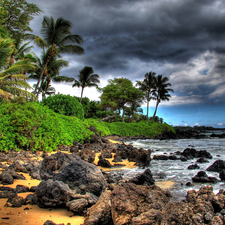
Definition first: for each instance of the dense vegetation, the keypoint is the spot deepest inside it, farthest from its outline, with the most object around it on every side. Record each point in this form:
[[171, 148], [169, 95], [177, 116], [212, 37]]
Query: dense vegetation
[[65, 104], [33, 126]]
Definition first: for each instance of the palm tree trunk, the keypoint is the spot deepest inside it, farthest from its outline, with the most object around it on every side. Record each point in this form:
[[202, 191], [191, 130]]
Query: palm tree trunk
[[147, 110], [50, 55], [40, 78], [123, 113], [157, 103], [81, 94]]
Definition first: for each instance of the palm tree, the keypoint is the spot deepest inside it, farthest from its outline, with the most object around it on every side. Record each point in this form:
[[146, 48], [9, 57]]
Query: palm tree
[[51, 72], [161, 92], [12, 78], [58, 38], [86, 78], [147, 86]]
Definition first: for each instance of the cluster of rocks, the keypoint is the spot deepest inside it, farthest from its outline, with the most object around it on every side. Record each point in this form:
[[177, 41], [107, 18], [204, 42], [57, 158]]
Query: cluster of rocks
[[129, 203], [71, 180], [188, 153]]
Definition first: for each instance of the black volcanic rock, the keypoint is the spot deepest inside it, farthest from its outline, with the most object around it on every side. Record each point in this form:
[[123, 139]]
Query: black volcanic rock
[[217, 166]]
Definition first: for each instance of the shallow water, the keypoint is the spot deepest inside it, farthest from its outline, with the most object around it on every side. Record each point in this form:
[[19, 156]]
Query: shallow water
[[176, 170]]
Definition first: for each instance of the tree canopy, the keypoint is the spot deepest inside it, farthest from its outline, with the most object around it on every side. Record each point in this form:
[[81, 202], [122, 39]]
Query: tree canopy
[[118, 93]]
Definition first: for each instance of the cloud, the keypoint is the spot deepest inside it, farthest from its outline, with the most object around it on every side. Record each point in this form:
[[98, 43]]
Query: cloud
[[183, 40]]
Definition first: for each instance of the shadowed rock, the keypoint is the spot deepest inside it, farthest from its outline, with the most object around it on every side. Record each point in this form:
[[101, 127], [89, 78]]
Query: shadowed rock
[[217, 166], [143, 179], [80, 176], [130, 200]]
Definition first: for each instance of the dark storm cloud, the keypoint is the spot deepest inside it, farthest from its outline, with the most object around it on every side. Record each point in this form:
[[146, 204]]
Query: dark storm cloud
[[130, 38]]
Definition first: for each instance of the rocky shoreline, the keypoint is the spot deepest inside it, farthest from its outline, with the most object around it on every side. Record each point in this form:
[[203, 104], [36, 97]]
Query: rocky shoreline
[[71, 178]]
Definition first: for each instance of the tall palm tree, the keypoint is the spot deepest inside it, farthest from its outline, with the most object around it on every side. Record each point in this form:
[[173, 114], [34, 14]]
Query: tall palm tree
[[161, 91], [147, 86], [58, 38], [86, 78]]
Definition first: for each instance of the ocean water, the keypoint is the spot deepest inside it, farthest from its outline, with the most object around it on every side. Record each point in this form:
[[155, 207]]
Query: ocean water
[[176, 170]]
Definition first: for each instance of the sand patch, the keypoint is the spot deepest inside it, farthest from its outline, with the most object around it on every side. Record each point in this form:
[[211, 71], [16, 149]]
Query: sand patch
[[32, 214], [128, 165], [165, 184]]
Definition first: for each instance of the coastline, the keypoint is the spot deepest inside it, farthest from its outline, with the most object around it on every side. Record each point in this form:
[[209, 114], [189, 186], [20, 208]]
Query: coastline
[[32, 214]]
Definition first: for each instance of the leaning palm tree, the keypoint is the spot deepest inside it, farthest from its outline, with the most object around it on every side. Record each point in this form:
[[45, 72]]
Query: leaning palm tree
[[161, 91], [58, 38], [147, 86], [86, 78]]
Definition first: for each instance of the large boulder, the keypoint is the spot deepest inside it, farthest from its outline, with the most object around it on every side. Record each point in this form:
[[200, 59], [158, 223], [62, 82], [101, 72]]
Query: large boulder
[[130, 200], [80, 176]]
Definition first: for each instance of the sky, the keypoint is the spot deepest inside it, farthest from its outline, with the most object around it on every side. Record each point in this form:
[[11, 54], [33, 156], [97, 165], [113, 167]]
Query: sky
[[182, 40]]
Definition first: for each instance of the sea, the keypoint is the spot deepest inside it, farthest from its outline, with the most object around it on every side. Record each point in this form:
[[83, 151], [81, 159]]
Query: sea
[[176, 170]]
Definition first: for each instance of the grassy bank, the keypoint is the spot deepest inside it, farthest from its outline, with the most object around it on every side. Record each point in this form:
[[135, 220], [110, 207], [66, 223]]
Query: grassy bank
[[32, 126]]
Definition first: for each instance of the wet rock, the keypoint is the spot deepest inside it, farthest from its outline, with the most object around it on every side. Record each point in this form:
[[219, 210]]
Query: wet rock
[[217, 166], [100, 213], [202, 177], [183, 158], [143, 179], [189, 153], [129, 200], [202, 160], [204, 154], [193, 167], [160, 157], [222, 175], [189, 184], [80, 176], [21, 189]]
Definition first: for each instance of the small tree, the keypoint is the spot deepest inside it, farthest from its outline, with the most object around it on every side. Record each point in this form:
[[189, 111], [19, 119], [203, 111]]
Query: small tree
[[118, 93]]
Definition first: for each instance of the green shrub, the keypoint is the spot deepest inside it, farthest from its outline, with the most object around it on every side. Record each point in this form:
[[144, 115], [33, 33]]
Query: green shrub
[[32, 126], [128, 129], [66, 105]]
